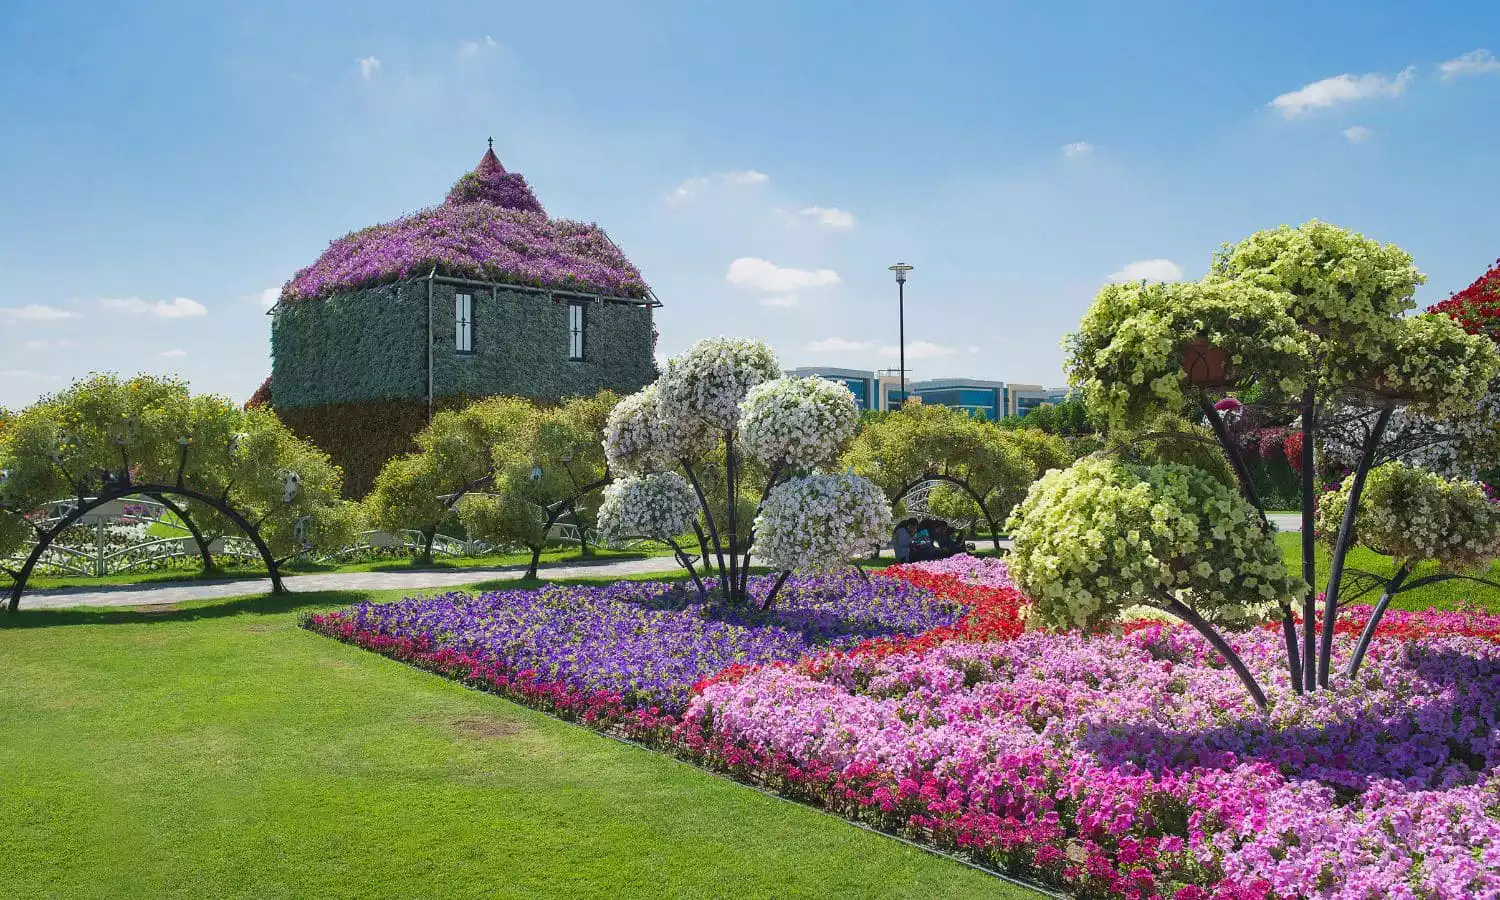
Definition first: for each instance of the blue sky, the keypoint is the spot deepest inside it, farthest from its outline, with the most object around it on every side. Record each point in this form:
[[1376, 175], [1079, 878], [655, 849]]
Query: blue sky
[[163, 167]]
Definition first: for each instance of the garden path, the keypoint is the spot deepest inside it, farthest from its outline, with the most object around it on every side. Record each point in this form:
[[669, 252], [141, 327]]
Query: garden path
[[182, 592]]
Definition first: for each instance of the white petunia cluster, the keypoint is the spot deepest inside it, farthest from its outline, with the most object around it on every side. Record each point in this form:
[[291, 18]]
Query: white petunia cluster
[[819, 522], [1458, 446], [639, 439], [801, 423], [707, 383], [661, 506]]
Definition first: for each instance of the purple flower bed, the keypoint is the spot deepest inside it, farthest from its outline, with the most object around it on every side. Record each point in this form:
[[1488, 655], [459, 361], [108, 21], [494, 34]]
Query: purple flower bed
[[651, 642]]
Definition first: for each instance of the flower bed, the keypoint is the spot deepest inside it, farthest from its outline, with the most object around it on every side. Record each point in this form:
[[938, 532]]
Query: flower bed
[[1117, 765], [1135, 765], [647, 643]]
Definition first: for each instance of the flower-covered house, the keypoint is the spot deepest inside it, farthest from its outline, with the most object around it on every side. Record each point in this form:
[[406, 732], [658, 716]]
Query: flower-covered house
[[483, 294]]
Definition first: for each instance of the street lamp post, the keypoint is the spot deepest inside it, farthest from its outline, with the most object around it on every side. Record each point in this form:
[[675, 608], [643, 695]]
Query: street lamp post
[[901, 269]]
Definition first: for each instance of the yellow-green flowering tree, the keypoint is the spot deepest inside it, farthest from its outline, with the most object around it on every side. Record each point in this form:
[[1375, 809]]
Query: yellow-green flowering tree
[[1101, 536], [1302, 318], [1414, 516], [106, 439]]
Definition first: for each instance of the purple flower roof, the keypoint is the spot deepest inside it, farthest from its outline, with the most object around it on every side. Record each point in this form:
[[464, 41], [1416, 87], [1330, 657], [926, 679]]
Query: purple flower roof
[[491, 228]]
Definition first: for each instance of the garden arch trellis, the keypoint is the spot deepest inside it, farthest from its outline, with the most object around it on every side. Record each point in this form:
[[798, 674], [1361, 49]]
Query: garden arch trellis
[[85, 505], [961, 484]]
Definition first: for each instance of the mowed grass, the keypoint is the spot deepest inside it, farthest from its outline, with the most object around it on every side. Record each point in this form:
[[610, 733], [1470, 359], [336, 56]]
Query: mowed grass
[[221, 751], [1443, 595]]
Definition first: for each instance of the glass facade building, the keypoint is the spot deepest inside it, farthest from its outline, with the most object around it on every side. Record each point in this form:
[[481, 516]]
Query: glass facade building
[[990, 400]]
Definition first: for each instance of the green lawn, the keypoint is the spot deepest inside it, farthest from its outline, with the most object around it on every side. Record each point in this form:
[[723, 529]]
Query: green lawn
[[1446, 595], [221, 751]]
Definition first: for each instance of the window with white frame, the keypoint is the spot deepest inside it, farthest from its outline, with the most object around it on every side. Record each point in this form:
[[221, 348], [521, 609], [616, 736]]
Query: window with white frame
[[575, 331], [463, 323]]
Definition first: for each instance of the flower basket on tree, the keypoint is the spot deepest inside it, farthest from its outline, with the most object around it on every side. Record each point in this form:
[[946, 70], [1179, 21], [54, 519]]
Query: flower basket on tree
[[1305, 316], [725, 398]]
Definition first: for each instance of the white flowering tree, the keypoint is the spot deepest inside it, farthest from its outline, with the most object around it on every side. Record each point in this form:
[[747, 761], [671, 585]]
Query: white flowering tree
[[1302, 319], [725, 398]]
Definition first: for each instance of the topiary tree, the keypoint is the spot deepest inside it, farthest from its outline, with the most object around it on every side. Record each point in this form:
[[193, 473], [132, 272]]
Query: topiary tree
[[725, 398], [661, 506], [1414, 516], [456, 455], [1300, 317], [981, 471], [106, 439], [1101, 536], [542, 472]]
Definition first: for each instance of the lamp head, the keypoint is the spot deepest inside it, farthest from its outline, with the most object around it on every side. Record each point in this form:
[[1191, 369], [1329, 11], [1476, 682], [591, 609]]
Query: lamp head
[[901, 269]]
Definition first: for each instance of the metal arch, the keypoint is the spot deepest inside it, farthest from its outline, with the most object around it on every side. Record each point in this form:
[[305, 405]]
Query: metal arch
[[962, 485], [86, 505]]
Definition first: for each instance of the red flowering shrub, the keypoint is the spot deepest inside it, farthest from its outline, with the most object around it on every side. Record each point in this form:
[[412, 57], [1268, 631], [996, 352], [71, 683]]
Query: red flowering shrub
[[1292, 447], [261, 397], [1477, 307]]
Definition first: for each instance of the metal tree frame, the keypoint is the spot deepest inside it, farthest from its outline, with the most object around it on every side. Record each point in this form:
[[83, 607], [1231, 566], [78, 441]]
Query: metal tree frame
[[1310, 665], [963, 485], [734, 570], [117, 485], [45, 537]]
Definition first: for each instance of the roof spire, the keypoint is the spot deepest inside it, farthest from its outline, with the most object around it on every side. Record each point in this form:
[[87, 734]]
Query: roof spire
[[489, 164]]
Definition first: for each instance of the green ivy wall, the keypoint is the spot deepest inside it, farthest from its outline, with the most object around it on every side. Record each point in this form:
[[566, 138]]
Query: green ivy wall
[[350, 372]]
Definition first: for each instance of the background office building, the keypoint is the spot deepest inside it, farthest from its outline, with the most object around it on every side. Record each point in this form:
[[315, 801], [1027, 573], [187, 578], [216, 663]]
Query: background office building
[[990, 400]]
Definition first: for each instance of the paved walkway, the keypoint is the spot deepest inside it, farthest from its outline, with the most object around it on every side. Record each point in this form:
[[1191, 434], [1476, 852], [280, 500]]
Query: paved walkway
[[1286, 521], [159, 594], [183, 592]]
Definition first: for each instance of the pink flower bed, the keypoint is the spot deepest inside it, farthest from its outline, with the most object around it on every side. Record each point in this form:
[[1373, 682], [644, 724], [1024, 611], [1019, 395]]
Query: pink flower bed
[[1136, 766]]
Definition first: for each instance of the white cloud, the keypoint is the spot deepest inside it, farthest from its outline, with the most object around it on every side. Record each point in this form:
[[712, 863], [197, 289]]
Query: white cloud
[[691, 186], [1475, 62], [780, 300], [919, 350], [973, 348], [268, 297], [28, 375], [1357, 133], [1149, 270], [36, 312], [1078, 148], [177, 308], [839, 345], [51, 345], [369, 67], [173, 354], [1344, 88], [762, 275], [828, 216], [468, 48]]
